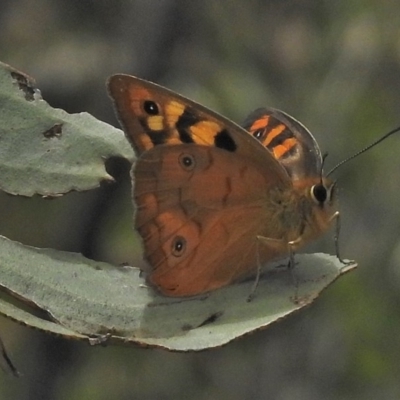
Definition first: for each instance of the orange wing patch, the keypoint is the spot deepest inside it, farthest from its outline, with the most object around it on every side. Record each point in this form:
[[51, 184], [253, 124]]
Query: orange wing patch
[[274, 135], [152, 117], [280, 150]]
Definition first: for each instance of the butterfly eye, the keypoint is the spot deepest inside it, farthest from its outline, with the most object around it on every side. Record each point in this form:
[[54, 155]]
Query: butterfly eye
[[151, 107], [178, 246], [187, 162], [319, 193]]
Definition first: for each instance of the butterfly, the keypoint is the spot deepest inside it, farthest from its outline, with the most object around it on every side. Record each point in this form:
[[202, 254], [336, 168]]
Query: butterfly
[[214, 200]]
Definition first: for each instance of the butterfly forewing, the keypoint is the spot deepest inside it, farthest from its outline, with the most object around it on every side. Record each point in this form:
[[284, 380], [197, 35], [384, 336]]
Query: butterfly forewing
[[153, 115]]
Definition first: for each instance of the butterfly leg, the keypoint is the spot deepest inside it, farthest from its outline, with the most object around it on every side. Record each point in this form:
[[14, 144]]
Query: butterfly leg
[[291, 245], [336, 216], [252, 293], [262, 240], [279, 244]]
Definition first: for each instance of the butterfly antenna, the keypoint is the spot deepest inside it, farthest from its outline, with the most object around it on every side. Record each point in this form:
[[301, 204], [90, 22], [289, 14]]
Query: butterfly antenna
[[373, 144], [322, 166]]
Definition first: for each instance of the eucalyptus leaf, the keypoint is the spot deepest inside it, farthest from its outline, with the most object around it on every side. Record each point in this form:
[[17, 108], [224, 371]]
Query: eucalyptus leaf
[[47, 151], [85, 299]]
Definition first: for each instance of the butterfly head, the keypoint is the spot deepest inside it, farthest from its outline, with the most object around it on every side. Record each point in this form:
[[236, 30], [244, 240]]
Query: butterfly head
[[323, 192], [314, 205]]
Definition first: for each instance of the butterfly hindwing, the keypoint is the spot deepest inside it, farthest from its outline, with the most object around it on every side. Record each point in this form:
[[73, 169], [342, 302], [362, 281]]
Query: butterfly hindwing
[[199, 211], [291, 143]]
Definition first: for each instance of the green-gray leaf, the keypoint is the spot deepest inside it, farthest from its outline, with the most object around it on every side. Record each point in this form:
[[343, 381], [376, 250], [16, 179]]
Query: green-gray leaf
[[47, 151], [89, 299]]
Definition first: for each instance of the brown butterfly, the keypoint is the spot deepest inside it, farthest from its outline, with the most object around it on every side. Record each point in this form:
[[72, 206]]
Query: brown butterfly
[[215, 201]]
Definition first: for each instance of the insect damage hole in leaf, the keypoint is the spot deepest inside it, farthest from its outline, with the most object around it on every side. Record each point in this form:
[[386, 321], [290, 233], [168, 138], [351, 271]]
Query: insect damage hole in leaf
[[26, 84], [54, 132], [31, 163]]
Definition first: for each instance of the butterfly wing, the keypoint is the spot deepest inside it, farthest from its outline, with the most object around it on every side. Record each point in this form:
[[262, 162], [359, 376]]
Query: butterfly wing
[[291, 143], [200, 185], [152, 115], [199, 211]]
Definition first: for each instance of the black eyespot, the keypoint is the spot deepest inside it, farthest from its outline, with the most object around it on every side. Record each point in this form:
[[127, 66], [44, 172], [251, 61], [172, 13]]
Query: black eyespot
[[187, 161], [151, 107], [319, 193], [178, 246], [258, 134]]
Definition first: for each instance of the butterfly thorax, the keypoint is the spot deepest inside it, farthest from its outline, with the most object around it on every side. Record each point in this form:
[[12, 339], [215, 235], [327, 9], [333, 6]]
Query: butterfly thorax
[[301, 213]]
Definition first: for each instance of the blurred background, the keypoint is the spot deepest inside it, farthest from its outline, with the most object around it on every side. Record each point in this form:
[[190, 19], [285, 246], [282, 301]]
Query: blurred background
[[333, 65]]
